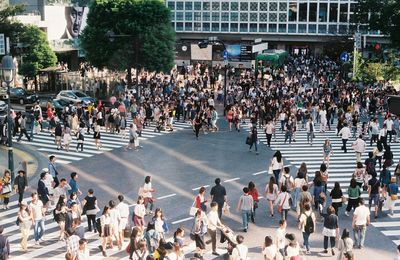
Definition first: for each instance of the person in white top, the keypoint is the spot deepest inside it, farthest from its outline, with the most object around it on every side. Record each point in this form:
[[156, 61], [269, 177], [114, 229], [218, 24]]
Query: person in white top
[[323, 120], [359, 147], [283, 202], [114, 222], [213, 222], [147, 195], [345, 133], [240, 251], [269, 249], [280, 237], [83, 251], [38, 217], [389, 126], [269, 130], [361, 219], [271, 193], [123, 209]]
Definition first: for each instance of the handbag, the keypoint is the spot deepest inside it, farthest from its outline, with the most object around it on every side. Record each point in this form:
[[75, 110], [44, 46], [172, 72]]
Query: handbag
[[393, 197], [248, 140], [270, 169], [193, 210], [280, 207], [6, 189]]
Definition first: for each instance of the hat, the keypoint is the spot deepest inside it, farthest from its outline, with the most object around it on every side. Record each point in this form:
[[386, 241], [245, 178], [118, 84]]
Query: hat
[[46, 170]]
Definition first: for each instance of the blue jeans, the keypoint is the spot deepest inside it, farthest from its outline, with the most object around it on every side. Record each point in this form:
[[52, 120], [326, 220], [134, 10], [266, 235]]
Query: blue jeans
[[359, 235], [296, 197], [306, 243], [38, 229], [276, 174], [255, 146], [245, 218]]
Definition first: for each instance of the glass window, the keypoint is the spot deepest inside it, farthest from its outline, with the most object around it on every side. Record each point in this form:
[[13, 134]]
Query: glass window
[[234, 27], [188, 6], [283, 7], [197, 27], [292, 28], [263, 6], [215, 16], [244, 27], [197, 16], [225, 16], [282, 28], [302, 28], [262, 27], [254, 6], [234, 16], [254, 17], [171, 5], [253, 27], [206, 6], [206, 16], [244, 17], [272, 17], [179, 26], [273, 6], [303, 12], [333, 12], [188, 16], [206, 27], [282, 17], [272, 27], [353, 7], [224, 27], [215, 27], [179, 6], [343, 13], [352, 18], [188, 26], [197, 5], [322, 29], [323, 12], [244, 6], [179, 16], [173, 25], [293, 12], [312, 28], [172, 15], [234, 6], [312, 17], [332, 29], [263, 17], [215, 6], [225, 6], [343, 29]]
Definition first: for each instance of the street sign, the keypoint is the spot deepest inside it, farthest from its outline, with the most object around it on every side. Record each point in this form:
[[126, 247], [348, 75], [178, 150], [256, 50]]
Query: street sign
[[225, 55], [260, 47], [358, 41], [344, 57], [2, 45], [258, 40]]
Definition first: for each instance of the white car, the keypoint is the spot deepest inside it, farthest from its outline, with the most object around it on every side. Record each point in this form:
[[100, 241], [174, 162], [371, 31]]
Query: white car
[[75, 96]]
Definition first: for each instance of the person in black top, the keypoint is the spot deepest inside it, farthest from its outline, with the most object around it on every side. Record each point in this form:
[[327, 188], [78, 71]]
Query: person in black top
[[218, 195], [20, 185], [42, 190], [373, 191], [336, 195], [89, 208]]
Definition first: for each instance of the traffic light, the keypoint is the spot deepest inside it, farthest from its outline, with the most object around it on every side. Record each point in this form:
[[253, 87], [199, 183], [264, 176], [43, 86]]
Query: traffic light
[[203, 44], [394, 105]]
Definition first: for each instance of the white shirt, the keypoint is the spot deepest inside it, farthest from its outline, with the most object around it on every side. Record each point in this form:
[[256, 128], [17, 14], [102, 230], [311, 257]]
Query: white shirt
[[276, 165], [37, 210], [280, 237], [212, 220], [359, 145], [361, 214], [240, 252], [389, 124], [322, 115], [147, 186], [123, 209], [114, 216], [270, 252], [345, 132]]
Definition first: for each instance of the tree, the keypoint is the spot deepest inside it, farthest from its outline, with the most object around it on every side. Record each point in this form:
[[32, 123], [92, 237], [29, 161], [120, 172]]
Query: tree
[[9, 27], [38, 54], [384, 15], [148, 40]]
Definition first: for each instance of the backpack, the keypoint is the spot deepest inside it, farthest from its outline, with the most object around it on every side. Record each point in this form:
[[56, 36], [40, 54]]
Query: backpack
[[309, 227], [288, 183]]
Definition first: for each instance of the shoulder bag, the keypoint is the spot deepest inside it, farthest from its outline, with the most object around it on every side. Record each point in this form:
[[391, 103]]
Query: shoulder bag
[[280, 207]]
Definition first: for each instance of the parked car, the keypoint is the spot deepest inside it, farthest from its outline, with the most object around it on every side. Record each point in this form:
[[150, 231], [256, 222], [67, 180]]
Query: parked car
[[3, 107], [21, 96], [75, 96]]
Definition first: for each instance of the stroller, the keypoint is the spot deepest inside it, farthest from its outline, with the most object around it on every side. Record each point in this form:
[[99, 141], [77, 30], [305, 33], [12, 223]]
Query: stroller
[[229, 236]]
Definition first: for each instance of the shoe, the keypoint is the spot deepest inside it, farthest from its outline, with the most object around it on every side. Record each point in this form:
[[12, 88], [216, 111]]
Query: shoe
[[215, 253], [245, 230], [333, 252], [308, 252], [104, 253], [325, 251]]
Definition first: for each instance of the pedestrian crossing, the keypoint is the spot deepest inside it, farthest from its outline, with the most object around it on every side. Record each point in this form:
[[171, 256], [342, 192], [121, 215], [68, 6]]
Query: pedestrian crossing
[[44, 142]]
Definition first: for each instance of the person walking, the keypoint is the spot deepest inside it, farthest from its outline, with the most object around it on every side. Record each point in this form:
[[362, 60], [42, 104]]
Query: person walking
[[6, 188], [245, 206], [52, 169], [20, 185], [201, 200], [283, 202], [67, 139], [345, 134], [198, 124], [310, 131], [97, 136], [240, 251], [199, 229], [359, 147], [269, 249], [213, 223], [330, 230], [80, 139], [253, 139], [147, 193], [105, 221], [25, 222], [132, 137], [89, 205], [327, 151], [269, 130], [218, 195], [393, 189], [336, 197], [22, 127], [307, 225], [271, 194], [37, 214], [254, 194], [345, 246], [354, 193], [123, 209], [373, 193], [139, 213], [43, 191], [277, 164], [361, 219], [4, 245]]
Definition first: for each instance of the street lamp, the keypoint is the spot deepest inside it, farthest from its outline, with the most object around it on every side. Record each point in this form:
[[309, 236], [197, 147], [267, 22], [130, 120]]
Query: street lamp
[[8, 73]]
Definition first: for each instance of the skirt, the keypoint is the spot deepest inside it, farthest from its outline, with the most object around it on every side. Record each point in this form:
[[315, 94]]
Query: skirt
[[106, 231]]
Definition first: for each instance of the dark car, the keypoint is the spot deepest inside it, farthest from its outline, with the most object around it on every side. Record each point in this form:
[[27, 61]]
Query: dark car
[[58, 105], [21, 96]]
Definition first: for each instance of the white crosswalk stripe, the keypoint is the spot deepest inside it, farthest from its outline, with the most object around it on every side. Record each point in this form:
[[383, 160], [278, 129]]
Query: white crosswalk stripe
[[44, 143], [341, 166]]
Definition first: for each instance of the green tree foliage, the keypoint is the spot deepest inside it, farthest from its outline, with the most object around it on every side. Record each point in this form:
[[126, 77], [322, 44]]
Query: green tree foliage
[[149, 37], [384, 16], [38, 54], [9, 27]]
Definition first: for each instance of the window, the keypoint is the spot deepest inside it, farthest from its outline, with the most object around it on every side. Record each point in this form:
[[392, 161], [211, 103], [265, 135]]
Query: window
[[272, 27], [342, 29], [272, 17], [225, 6], [302, 28], [282, 28], [244, 17], [303, 12], [188, 26], [171, 5], [322, 29], [179, 16], [292, 28], [244, 27], [173, 25], [332, 29], [206, 27], [312, 17], [273, 6], [263, 6], [197, 16], [215, 27], [179, 6], [293, 12], [188, 16], [179, 26], [206, 16], [254, 17], [282, 17], [283, 7], [323, 12], [225, 16], [173, 15], [234, 27], [262, 27], [312, 28], [253, 27], [215, 16], [224, 27], [197, 27], [206, 6], [234, 6], [343, 13], [333, 12], [244, 6], [263, 17], [197, 5], [215, 6], [254, 6], [188, 6], [234, 16]]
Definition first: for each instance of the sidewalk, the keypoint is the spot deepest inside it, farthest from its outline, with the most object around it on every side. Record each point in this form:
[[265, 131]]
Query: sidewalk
[[19, 157]]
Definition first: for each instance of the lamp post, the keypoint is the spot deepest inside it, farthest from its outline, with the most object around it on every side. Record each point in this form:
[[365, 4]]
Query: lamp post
[[8, 73]]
